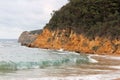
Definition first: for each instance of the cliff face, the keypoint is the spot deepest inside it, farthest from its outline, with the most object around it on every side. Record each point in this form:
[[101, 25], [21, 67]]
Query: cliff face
[[68, 40]]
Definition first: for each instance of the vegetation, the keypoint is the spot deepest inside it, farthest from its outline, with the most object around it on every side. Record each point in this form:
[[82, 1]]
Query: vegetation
[[36, 32], [89, 17]]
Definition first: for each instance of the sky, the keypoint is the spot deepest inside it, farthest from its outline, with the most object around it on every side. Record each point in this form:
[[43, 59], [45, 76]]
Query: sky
[[17, 16]]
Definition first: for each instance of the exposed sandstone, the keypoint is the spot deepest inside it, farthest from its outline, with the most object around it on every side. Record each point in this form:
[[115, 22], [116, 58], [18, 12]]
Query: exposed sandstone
[[68, 40]]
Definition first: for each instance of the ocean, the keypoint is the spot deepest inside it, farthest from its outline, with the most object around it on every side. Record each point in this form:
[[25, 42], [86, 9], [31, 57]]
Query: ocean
[[22, 63]]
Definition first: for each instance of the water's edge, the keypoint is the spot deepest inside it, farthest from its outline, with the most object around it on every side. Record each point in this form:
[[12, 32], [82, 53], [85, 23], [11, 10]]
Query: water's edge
[[19, 63]]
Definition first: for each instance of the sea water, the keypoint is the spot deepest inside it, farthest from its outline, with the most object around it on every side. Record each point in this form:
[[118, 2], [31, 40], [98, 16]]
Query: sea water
[[22, 63]]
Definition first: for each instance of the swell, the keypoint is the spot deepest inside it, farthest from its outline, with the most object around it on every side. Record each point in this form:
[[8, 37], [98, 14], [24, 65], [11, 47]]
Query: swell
[[68, 60]]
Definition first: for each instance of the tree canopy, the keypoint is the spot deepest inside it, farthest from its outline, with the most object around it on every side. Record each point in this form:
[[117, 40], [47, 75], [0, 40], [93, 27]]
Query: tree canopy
[[89, 17]]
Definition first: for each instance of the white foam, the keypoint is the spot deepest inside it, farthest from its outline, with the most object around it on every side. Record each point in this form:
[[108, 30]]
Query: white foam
[[61, 49], [92, 60]]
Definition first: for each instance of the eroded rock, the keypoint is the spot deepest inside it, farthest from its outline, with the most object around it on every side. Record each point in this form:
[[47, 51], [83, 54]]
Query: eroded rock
[[26, 38]]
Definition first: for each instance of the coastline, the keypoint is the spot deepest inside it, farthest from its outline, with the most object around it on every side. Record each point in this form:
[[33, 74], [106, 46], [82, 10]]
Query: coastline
[[73, 42]]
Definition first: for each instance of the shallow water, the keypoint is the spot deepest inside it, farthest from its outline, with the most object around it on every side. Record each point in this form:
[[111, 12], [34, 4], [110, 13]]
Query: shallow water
[[22, 63]]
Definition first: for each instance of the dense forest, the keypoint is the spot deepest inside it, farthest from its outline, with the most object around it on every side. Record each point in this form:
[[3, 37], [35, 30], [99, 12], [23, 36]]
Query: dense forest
[[89, 17]]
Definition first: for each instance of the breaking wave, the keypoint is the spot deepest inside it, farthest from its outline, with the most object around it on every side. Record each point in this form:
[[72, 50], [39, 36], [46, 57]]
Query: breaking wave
[[52, 60]]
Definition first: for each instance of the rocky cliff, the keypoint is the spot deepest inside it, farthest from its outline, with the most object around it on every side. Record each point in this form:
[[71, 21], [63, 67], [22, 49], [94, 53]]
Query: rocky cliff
[[68, 40], [87, 26]]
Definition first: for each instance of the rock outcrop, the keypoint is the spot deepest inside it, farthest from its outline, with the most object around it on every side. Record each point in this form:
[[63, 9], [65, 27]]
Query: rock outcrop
[[26, 38]]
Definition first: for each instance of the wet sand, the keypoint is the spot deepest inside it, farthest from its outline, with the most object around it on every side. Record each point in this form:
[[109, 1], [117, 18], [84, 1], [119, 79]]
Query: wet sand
[[111, 63]]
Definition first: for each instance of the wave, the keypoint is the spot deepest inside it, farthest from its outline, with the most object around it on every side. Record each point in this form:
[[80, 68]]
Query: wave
[[15, 57], [70, 59]]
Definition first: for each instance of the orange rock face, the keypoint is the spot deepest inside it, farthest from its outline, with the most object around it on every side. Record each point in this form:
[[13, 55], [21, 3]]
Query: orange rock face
[[68, 40]]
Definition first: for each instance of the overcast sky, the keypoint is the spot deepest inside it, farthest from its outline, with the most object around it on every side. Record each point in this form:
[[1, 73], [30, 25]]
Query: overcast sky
[[21, 15]]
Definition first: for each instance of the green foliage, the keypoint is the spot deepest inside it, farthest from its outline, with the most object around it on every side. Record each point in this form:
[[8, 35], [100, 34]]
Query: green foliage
[[89, 17]]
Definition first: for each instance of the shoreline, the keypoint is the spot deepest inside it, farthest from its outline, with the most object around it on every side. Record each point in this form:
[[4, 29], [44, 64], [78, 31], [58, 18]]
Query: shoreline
[[72, 42]]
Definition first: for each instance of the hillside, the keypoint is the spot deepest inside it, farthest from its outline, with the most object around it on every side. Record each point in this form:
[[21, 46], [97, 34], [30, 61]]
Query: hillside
[[89, 17], [85, 26]]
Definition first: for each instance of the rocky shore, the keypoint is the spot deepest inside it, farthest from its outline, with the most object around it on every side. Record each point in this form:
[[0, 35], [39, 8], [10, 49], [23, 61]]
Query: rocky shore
[[68, 40]]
